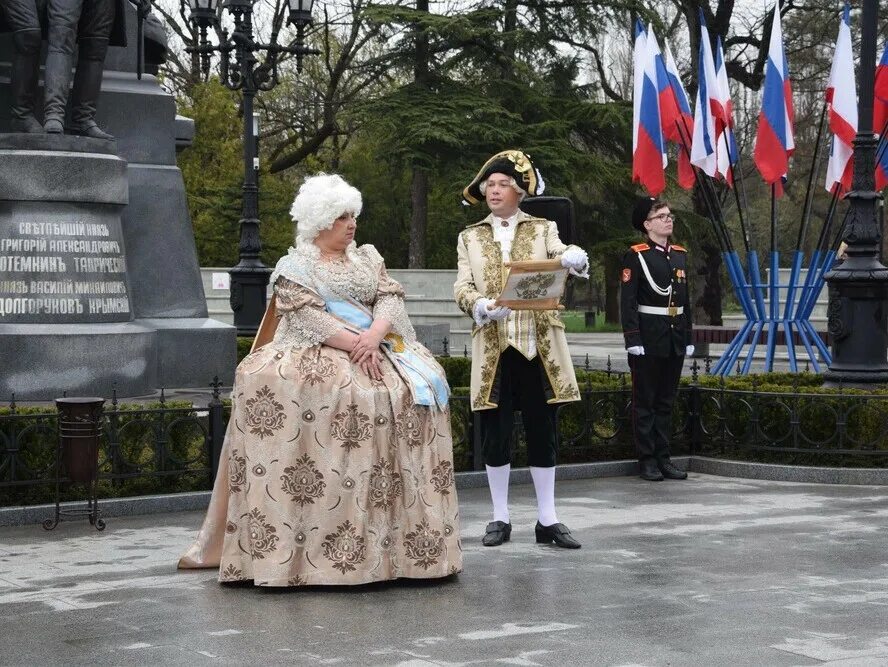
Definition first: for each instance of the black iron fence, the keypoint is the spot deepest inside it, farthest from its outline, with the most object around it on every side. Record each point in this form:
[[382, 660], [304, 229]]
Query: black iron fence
[[163, 447], [780, 424], [170, 446]]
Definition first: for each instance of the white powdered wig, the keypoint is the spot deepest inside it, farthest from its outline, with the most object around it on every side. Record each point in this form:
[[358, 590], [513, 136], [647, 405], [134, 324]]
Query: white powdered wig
[[321, 199], [482, 186]]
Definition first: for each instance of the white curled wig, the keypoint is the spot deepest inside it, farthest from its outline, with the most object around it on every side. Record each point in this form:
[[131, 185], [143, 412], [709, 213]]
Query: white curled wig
[[321, 199], [482, 186]]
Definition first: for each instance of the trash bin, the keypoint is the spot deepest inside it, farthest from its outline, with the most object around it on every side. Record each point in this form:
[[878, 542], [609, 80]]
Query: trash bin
[[80, 427]]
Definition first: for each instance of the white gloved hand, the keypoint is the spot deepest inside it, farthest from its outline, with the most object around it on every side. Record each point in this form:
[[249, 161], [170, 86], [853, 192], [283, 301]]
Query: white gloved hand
[[577, 261], [689, 351], [482, 314], [637, 350]]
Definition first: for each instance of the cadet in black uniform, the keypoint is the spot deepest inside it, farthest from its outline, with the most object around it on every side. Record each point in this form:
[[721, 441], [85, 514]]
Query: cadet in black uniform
[[656, 317]]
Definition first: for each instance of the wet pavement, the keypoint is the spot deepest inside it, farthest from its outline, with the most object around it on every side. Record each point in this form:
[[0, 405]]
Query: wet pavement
[[710, 571]]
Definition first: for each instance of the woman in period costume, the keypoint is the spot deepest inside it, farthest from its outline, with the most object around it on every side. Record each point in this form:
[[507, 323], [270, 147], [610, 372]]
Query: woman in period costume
[[337, 466]]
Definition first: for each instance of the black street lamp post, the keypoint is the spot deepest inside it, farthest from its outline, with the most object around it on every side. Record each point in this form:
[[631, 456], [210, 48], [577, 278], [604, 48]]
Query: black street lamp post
[[858, 287], [249, 279]]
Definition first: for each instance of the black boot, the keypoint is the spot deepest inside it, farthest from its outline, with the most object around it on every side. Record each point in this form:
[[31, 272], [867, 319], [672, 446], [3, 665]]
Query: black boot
[[87, 86], [649, 471], [670, 471], [25, 72], [56, 86]]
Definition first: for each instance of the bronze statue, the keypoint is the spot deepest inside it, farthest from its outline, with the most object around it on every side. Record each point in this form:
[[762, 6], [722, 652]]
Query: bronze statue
[[23, 19], [89, 25]]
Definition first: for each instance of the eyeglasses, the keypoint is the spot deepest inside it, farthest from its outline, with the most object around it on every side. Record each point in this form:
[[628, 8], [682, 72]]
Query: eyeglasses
[[663, 217]]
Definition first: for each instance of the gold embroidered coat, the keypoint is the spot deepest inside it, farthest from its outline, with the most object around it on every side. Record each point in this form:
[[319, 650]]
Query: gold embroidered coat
[[481, 274]]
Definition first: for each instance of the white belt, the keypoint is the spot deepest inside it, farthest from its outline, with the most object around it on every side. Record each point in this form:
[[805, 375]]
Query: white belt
[[670, 311]]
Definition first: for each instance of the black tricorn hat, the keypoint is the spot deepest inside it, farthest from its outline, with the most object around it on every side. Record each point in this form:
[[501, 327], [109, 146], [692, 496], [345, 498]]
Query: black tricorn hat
[[513, 163], [640, 213]]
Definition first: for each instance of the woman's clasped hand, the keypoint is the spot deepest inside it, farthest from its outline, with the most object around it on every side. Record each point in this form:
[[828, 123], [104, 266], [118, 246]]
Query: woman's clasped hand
[[367, 354]]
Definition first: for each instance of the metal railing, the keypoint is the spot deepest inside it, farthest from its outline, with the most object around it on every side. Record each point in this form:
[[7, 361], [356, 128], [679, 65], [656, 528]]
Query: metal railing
[[167, 447]]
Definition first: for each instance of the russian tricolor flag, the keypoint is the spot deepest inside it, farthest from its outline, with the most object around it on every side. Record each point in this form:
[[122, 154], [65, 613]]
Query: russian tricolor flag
[[703, 149], [841, 99], [675, 114], [880, 101], [648, 147], [724, 118], [774, 141], [880, 116]]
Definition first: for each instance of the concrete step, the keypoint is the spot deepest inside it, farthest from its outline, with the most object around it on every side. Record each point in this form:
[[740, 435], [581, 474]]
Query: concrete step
[[429, 300], [420, 304], [225, 316], [427, 283], [456, 322]]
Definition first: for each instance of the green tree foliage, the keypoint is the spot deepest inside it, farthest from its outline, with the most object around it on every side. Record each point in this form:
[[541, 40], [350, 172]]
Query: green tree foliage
[[495, 81], [213, 170]]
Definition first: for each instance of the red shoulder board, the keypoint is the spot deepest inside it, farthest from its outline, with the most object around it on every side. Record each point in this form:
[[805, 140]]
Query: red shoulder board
[[677, 247], [641, 247]]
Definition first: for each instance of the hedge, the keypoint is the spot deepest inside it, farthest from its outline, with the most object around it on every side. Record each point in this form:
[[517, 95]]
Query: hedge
[[135, 433], [728, 418]]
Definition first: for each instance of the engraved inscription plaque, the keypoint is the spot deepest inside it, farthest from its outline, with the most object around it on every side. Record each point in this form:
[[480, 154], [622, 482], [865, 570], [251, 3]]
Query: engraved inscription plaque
[[64, 265]]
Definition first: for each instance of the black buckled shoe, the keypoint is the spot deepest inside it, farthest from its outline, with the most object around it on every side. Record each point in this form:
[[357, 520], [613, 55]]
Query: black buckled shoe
[[670, 471], [557, 533], [496, 533], [649, 471]]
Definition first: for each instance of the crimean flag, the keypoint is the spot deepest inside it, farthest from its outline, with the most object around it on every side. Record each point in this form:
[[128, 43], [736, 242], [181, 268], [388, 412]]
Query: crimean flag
[[774, 142], [841, 100], [703, 149], [648, 147], [880, 117], [727, 143]]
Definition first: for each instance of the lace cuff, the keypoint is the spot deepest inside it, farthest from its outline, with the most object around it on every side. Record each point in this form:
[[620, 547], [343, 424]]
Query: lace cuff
[[303, 322], [391, 307], [390, 300]]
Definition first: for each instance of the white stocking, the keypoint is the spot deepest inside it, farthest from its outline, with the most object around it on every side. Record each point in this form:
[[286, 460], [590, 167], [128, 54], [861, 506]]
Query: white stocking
[[544, 485], [498, 480]]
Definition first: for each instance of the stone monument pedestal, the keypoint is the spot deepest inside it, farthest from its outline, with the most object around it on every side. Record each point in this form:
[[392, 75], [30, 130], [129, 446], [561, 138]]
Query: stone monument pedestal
[[116, 297], [67, 317]]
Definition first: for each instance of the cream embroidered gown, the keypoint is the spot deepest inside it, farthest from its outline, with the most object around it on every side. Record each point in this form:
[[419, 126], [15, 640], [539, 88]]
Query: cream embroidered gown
[[327, 476]]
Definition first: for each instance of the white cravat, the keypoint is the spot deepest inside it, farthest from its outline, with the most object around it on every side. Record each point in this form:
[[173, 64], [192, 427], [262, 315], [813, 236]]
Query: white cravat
[[504, 234]]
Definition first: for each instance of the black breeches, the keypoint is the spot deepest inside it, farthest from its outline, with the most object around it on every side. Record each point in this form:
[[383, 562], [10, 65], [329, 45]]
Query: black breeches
[[521, 388]]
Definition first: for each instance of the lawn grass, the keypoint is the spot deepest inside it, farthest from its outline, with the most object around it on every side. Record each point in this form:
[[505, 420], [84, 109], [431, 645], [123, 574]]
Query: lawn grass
[[574, 322]]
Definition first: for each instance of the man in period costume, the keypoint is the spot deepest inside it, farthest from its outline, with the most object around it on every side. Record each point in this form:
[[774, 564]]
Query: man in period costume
[[90, 26], [520, 359], [656, 317]]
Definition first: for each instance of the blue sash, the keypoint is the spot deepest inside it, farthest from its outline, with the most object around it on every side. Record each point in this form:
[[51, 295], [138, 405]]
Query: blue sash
[[429, 387]]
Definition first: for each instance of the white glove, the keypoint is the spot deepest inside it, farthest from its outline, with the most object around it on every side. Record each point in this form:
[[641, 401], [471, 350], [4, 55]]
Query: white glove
[[482, 315], [689, 351], [577, 261], [637, 350]]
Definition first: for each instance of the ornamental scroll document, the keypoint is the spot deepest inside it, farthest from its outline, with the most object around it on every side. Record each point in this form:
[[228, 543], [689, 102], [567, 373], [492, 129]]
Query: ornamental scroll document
[[535, 284]]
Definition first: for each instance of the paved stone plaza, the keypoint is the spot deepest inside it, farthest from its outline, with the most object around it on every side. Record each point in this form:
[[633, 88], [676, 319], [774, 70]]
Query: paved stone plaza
[[712, 571]]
